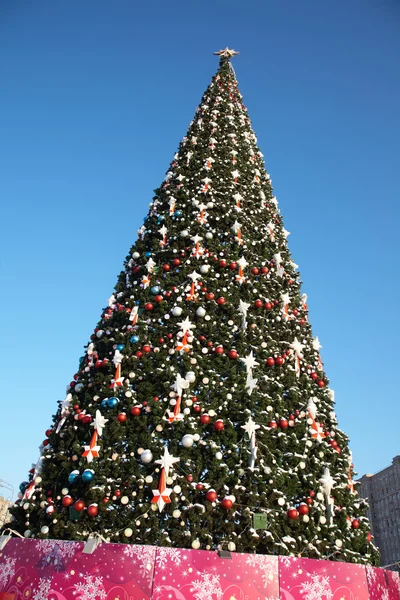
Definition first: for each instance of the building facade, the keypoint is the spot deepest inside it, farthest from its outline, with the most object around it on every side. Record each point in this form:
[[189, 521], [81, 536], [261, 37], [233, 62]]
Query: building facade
[[382, 491], [4, 514]]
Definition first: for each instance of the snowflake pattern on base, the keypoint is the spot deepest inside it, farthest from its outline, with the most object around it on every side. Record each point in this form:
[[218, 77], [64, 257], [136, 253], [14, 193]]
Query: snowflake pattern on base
[[383, 584], [202, 575], [54, 569], [309, 579]]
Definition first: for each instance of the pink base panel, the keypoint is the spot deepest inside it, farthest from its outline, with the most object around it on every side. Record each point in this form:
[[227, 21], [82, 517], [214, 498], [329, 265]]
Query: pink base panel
[[57, 570]]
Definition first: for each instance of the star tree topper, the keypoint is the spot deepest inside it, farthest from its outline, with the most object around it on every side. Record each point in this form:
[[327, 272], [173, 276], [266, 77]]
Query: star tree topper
[[226, 53]]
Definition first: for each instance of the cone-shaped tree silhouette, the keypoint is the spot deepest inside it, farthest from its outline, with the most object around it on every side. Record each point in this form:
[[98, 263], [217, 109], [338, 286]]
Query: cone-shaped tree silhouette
[[200, 415]]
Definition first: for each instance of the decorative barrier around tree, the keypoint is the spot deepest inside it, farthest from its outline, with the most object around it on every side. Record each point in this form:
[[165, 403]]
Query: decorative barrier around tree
[[59, 570]]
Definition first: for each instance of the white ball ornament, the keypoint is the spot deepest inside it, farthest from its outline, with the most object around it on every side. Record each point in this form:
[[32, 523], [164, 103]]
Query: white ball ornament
[[187, 441], [135, 255], [322, 520], [320, 496], [200, 312], [338, 543], [204, 269], [190, 376], [38, 480], [128, 532], [209, 235], [196, 437], [176, 311], [176, 514], [195, 544], [124, 500], [306, 518], [281, 501], [44, 530], [146, 456], [231, 546], [184, 233], [218, 455], [27, 533]]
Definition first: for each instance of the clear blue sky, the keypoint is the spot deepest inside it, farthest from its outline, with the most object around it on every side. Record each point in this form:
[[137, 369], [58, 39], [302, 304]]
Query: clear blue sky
[[95, 97]]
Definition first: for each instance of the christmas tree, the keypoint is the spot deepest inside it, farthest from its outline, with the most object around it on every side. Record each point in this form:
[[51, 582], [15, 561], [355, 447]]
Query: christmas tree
[[200, 415]]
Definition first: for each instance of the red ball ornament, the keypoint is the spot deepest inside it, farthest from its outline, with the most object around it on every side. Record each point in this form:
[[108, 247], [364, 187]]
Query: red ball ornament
[[221, 300], [255, 271], [197, 408], [292, 513], [279, 360], [270, 361], [117, 493], [48, 432], [268, 306], [309, 501], [79, 505], [176, 262], [222, 263], [273, 425], [295, 312], [258, 303], [161, 341], [93, 510], [233, 266], [321, 383], [205, 419], [211, 495], [105, 500], [67, 501], [136, 411], [264, 270], [355, 524], [189, 478], [283, 423], [146, 349], [226, 503], [148, 306], [86, 419], [314, 375], [158, 298], [98, 364], [311, 493], [219, 425], [138, 354], [303, 509], [233, 354], [45, 443], [121, 417], [199, 486], [219, 350], [210, 296], [169, 336], [302, 322]]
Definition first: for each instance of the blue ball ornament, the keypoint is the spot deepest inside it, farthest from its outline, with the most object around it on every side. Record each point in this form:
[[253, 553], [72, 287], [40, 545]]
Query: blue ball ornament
[[23, 486], [111, 402], [73, 476], [177, 213], [148, 254], [87, 475], [120, 347], [135, 339], [155, 289], [104, 403]]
